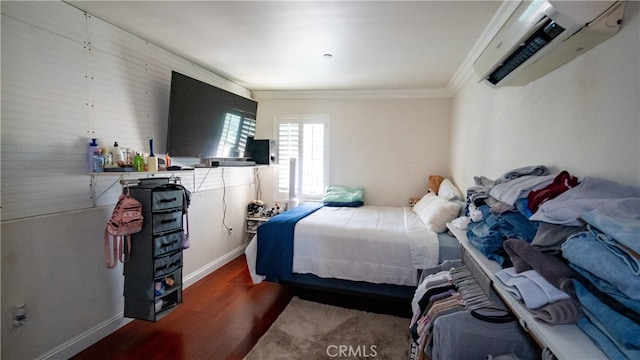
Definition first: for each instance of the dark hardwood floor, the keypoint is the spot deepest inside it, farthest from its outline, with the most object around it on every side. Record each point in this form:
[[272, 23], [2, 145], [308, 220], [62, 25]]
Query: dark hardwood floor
[[222, 317]]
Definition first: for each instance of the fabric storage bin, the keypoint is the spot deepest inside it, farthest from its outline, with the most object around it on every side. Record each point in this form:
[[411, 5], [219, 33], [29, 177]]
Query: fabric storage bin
[[144, 289], [152, 309], [167, 243], [167, 221], [168, 199], [166, 265]]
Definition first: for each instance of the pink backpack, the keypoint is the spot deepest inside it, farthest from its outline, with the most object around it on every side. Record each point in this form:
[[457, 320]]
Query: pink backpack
[[126, 219]]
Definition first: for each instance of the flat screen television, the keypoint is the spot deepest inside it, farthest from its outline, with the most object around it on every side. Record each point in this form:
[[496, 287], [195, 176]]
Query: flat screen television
[[207, 122]]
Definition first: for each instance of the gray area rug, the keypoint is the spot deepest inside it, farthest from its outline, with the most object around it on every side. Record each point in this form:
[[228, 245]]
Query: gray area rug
[[310, 330]]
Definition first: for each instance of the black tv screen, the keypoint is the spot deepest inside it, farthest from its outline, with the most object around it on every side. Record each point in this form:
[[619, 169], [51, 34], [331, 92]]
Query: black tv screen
[[206, 121]]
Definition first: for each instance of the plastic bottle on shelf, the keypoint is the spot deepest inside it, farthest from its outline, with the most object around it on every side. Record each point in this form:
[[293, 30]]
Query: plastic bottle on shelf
[[118, 156], [93, 146], [108, 158], [152, 160], [128, 156], [138, 162], [98, 160]]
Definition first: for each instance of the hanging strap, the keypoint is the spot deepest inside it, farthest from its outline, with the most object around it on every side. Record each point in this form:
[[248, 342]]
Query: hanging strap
[[186, 242], [186, 200], [124, 255], [109, 260], [119, 251]]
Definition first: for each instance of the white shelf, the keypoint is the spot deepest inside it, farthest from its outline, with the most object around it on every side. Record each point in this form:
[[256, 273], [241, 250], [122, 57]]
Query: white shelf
[[249, 224], [564, 341]]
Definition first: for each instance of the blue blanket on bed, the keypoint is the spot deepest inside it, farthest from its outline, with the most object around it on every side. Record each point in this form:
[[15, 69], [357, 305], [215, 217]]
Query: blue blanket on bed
[[275, 243]]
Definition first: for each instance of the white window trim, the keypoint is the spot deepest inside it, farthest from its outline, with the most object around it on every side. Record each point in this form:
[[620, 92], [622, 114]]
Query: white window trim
[[308, 118]]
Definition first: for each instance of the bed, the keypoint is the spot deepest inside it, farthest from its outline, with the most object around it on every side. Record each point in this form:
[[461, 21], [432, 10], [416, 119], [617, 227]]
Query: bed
[[373, 249]]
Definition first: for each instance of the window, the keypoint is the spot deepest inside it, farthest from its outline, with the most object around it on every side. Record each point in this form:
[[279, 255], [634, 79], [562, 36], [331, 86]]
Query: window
[[305, 139]]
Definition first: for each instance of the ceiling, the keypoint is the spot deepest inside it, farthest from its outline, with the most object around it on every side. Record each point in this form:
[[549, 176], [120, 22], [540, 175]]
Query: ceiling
[[281, 45]]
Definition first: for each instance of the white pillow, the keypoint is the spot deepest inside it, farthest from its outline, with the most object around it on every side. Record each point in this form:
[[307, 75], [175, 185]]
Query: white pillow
[[423, 202], [436, 212], [448, 191]]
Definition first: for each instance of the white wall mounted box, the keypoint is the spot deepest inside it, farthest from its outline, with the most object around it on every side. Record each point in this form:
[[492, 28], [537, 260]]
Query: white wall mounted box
[[542, 35]]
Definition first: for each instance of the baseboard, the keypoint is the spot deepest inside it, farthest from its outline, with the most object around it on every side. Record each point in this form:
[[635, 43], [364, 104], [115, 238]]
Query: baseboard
[[201, 273], [100, 331], [88, 338]]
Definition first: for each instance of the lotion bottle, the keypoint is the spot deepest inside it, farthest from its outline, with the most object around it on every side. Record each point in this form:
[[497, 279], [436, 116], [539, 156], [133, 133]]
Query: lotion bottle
[[93, 147], [118, 157]]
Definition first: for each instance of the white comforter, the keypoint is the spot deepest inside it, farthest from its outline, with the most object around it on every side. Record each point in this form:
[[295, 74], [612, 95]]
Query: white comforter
[[368, 243]]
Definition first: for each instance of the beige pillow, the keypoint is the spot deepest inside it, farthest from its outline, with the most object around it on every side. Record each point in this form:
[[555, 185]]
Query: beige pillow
[[436, 212], [448, 191], [424, 202]]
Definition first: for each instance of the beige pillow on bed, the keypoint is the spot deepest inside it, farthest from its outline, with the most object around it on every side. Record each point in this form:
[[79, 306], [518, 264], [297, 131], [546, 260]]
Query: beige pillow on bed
[[424, 202], [435, 212], [449, 191]]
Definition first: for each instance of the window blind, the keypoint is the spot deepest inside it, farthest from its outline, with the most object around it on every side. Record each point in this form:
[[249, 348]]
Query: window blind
[[305, 139]]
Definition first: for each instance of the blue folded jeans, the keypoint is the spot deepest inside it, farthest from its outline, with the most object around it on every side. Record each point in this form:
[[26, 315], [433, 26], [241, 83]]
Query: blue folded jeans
[[586, 252], [618, 249], [601, 340], [620, 328], [513, 225], [606, 287], [487, 239]]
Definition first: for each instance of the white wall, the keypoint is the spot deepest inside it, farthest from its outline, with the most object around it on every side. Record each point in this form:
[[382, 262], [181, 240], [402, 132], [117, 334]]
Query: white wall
[[583, 117], [389, 146], [67, 77], [55, 264]]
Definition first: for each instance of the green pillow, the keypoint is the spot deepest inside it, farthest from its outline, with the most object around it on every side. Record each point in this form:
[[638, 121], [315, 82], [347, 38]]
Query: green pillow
[[343, 195]]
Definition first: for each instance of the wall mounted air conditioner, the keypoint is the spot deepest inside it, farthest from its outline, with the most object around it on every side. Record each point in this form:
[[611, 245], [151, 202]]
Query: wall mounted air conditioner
[[542, 35]]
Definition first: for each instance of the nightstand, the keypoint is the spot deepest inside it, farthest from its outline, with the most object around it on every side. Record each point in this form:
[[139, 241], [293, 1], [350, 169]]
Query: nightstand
[[252, 224]]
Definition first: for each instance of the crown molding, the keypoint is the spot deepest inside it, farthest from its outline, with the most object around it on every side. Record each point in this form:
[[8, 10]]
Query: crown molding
[[349, 94]]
